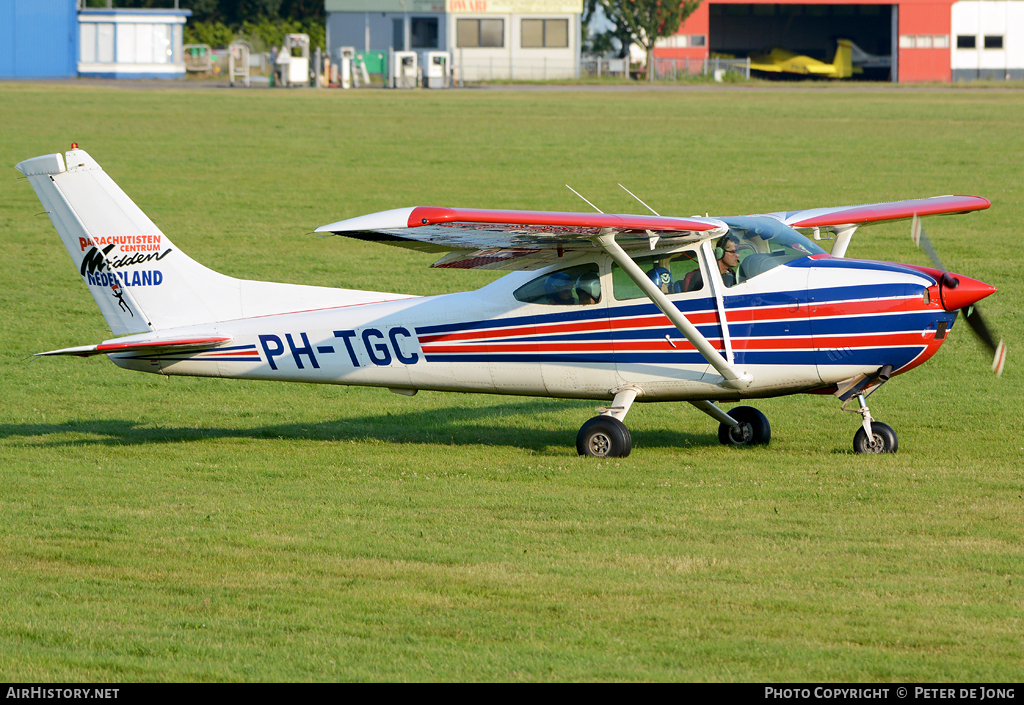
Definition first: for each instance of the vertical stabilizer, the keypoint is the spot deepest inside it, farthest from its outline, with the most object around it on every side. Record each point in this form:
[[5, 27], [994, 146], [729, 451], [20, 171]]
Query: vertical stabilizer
[[137, 277], [843, 61], [120, 309]]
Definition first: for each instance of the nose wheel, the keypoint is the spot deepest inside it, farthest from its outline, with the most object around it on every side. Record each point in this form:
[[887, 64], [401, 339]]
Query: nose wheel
[[882, 440]]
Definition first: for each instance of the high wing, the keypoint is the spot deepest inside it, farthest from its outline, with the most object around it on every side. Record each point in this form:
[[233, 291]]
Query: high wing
[[845, 220], [882, 212], [517, 240]]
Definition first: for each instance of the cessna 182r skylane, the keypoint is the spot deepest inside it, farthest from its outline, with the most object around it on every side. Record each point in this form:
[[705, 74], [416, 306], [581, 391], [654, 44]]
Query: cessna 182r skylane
[[596, 306]]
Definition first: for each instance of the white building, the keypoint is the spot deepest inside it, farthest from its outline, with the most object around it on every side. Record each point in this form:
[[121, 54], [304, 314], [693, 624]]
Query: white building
[[488, 39], [131, 43], [988, 39]]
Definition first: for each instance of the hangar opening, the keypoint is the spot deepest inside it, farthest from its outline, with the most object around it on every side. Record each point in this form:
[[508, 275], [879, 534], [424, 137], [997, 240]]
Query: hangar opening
[[810, 30]]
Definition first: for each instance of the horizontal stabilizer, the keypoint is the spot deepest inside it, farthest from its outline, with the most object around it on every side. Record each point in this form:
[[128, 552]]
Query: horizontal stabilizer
[[141, 347]]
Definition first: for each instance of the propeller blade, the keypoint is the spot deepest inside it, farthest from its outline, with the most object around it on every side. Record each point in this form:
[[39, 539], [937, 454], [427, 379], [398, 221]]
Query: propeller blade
[[920, 239], [971, 313]]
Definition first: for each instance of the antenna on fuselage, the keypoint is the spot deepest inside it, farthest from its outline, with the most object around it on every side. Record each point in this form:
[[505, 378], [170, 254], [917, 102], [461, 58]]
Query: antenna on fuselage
[[641, 202], [584, 200]]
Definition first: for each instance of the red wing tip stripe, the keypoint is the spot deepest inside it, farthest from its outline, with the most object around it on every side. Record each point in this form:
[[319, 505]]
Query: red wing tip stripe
[[114, 347], [432, 215], [898, 209]]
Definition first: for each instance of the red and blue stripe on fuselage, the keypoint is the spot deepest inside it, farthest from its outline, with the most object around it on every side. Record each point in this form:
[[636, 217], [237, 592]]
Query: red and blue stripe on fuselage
[[884, 319]]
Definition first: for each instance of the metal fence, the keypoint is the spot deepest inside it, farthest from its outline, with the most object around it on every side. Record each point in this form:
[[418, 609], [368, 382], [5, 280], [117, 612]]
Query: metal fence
[[675, 69], [597, 67], [512, 69], [506, 68]]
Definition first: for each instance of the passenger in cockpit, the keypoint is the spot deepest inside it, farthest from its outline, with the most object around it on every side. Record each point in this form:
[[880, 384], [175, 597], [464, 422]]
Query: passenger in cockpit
[[662, 279], [558, 289], [588, 288]]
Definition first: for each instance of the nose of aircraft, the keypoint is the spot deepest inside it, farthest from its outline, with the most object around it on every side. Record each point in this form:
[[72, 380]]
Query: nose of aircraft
[[958, 291]]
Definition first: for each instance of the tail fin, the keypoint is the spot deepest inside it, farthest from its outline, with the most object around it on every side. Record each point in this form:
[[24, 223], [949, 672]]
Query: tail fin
[[133, 271], [139, 279], [843, 61]]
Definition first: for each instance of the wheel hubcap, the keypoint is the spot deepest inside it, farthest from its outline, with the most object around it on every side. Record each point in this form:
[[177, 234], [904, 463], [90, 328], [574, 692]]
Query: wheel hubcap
[[741, 434], [876, 444], [600, 444]]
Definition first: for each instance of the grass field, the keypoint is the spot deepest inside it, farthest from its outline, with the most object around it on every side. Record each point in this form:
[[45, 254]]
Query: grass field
[[158, 529]]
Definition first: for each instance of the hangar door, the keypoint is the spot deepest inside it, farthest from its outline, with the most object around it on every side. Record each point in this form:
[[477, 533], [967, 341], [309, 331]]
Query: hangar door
[[741, 30], [38, 39]]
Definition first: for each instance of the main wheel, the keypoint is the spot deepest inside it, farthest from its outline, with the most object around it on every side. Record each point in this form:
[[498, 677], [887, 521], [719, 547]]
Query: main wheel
[[753, 428], [604, 437], [883, 439]]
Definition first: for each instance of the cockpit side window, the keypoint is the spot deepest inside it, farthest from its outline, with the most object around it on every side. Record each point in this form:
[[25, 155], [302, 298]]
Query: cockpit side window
[[673, 273], [764, 243], [573, 286]]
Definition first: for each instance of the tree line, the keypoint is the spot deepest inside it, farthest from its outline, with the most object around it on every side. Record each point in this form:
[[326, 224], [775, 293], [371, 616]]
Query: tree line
[[263, 23]]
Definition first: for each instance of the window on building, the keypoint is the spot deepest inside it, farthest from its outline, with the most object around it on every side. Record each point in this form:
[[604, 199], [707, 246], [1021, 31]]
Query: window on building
[[87, 42], [924, 41], [966, 41], [698, 40], [545, 33], [480, 33], [423, 31], [105, 42], [993, 41], [398, 34]]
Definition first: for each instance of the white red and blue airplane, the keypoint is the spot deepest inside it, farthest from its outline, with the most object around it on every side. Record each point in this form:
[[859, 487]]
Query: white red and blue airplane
[[618, 308]]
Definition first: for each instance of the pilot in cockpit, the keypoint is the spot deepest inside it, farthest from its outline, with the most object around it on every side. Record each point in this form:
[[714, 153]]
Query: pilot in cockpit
[[728, 258]]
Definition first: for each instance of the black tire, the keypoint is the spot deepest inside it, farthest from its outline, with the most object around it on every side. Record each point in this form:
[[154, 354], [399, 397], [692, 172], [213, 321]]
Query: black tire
[[885, 439], [604, 437], [753, 428]]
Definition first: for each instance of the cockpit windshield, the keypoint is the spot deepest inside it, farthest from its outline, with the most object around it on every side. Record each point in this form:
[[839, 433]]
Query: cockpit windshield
[[763, 243]]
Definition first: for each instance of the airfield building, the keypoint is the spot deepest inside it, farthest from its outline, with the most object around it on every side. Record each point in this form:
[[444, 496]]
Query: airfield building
[[911, 40], [59, 39], [487, 39]]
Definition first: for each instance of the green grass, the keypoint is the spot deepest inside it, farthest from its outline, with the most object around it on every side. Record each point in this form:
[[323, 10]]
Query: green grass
[[198, 529]]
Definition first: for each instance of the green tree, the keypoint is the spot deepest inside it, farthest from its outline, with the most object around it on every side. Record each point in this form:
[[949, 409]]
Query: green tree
[[604, 42], [649, 20]]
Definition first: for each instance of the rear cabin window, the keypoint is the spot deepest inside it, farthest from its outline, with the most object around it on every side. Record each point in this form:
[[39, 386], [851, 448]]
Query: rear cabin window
[[574, 286]]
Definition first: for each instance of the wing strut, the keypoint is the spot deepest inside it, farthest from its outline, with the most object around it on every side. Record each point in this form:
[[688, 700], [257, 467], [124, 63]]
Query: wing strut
[[844, 233], [733, 378]]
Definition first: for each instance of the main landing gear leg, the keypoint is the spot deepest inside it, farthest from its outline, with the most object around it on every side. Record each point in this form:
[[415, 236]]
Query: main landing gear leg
[[605, 436]]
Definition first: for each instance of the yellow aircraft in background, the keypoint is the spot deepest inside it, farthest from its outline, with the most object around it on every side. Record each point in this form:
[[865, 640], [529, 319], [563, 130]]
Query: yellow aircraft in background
[[785, 61]]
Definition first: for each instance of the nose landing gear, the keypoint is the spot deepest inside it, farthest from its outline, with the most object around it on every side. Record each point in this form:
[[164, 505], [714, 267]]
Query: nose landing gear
[[873, 436]]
